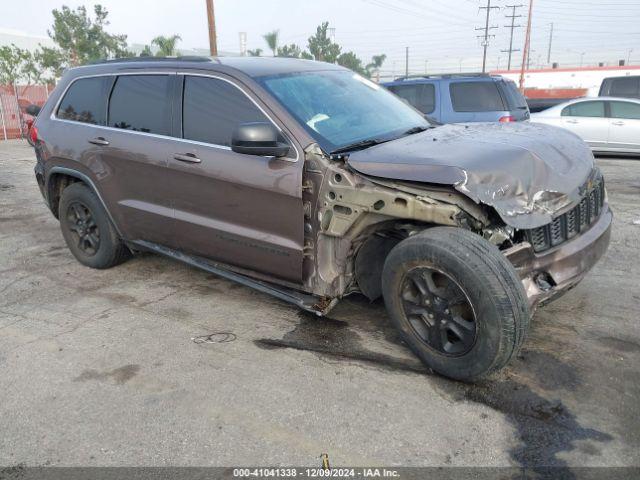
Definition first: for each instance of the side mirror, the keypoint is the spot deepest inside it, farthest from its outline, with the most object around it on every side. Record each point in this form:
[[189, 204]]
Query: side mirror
[[33, 110], [258, 138]]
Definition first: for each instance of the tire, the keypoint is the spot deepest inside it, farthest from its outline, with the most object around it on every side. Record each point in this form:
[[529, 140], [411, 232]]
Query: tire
[[87, 230], [478, 317]]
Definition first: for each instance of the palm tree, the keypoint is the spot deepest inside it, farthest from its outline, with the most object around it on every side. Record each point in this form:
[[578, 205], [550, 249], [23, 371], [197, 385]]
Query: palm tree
[[166, 45], [272, 40], [376, 63]]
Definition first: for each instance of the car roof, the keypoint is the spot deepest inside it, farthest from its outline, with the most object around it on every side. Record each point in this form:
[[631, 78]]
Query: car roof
[[560, 106], [595, 99], [251, 66], [467, 77]]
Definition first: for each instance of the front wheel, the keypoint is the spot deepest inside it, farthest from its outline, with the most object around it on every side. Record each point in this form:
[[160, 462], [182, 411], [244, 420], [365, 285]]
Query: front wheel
[[457, 302]]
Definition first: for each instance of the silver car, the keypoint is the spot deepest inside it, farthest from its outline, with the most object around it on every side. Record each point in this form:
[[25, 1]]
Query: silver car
[[607, 124]]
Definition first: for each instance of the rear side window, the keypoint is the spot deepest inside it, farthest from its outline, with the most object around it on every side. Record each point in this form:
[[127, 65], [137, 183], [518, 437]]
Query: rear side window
[[584, 109], [213, 108], [141, 103], [476, 97], [85, 101], [420, 95], [625, 110], [625, 87], [515, 99]]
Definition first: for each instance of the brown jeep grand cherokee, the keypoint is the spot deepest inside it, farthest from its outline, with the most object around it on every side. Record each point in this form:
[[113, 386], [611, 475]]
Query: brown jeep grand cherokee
[[309, 182]]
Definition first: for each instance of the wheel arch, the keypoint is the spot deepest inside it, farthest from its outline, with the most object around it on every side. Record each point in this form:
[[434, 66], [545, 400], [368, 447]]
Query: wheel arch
[[59, 178]]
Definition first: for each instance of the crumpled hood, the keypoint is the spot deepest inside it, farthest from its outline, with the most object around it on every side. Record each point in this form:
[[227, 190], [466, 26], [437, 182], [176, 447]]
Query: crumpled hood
[[525, 171]]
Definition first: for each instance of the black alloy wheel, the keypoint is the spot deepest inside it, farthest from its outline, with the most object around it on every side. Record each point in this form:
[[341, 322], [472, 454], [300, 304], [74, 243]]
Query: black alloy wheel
[[439, 311], [83, 228]]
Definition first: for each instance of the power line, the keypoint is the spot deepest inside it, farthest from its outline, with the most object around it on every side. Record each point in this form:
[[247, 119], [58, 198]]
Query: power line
[[485, 37], [513, 26]]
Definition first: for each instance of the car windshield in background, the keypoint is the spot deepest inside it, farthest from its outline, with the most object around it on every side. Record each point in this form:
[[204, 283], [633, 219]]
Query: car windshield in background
[[339, 108]]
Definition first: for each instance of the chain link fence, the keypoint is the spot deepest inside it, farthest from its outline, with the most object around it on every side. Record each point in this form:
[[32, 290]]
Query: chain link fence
[[13, 103]]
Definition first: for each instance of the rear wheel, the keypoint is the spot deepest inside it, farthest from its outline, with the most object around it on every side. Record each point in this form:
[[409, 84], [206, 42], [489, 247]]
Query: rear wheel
[[87, 229], [457, 302]]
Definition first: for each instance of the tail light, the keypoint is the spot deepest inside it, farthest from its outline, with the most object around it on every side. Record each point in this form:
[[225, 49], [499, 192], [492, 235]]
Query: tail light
[[507, 119], [33, 134]]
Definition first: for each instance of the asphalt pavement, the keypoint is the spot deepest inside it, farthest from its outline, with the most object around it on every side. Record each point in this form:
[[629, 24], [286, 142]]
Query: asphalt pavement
[[155, 363]]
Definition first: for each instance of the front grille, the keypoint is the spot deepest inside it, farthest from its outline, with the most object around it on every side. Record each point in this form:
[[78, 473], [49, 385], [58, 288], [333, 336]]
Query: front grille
[[571, 223]]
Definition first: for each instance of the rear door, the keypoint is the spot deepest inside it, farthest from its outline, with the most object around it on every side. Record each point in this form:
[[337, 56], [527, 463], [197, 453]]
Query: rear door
[[243, 210], [475, 101], [588, 120], [115, 129], [134, 155], [624, 130]]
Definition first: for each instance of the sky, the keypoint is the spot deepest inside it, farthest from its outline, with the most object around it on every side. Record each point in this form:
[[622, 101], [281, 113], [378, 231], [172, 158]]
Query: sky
[[440, 34]]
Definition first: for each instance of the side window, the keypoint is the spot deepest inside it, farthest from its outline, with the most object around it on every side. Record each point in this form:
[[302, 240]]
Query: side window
[[476, 97], [213, 108], [141, 103], [625, 110], [584, 109], [85, 101], [420, 95], [625, 87]]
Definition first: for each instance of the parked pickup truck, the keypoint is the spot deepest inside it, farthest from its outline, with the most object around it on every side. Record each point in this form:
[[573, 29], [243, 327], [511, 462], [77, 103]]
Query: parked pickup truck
[[307, 181]]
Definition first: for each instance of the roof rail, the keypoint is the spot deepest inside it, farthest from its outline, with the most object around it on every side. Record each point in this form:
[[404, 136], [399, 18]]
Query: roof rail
[[442, 75], [186, 58]]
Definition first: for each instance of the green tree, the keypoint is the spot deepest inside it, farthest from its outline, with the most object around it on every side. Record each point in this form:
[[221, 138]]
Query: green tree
[[321, 46], [293, 51], [375, 64], [272, 40], [166, 45], [146, 51], [50, 62], [255, 53], [351, 61], [12, 60], [83, 39]]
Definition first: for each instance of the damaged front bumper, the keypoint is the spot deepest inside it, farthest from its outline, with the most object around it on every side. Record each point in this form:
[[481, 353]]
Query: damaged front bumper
[[546, 276]]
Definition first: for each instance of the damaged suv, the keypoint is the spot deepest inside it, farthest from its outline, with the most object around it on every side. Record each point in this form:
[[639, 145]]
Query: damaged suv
[[309, 182]]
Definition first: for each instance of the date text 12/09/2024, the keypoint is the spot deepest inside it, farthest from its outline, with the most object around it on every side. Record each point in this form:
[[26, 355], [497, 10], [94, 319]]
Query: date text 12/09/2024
[[315, 473]]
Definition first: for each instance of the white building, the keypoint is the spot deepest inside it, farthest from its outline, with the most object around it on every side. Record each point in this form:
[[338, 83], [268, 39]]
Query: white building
[[23, 40]]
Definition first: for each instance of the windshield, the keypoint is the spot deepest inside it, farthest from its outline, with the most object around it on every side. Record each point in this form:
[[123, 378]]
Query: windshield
[[339, 108]]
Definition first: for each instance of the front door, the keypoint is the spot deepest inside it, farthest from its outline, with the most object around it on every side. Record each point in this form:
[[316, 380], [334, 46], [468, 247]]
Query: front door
[[624, 131], [243, 210], [588, 121]]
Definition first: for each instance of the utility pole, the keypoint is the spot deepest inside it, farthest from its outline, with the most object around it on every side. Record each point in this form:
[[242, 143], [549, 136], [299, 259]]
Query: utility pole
[[550, 40], [211, 20], [406, 61], [513, 26], [426, 63], [527, 44], [485, 37]]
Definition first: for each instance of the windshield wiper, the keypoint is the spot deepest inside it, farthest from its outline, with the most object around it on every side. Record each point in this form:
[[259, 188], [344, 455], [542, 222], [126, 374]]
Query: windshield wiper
[[361, 145], [418, 129]]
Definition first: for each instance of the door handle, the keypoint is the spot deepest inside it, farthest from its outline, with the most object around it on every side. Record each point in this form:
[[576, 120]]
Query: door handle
[[617, 123], [571, 121], [187, 157], [99, 141]]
